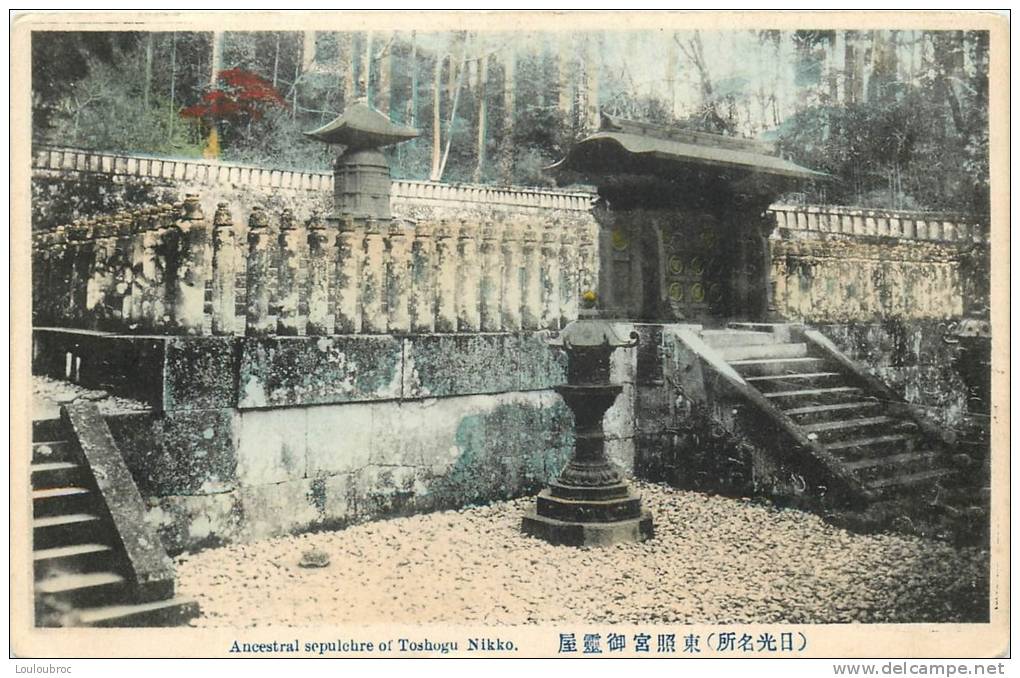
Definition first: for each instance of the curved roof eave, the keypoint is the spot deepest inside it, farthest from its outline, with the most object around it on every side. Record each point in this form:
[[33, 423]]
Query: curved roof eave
[[677, 151]]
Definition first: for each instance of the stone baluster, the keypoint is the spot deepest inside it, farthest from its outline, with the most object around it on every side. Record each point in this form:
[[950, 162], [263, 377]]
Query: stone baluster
[[190, 263], [161, 291], [468, 273], [510, 309], [446, 280], [142, 221], [60, 261], [373, 280], [349, 253], [100, 277], [422, 311], [321, 247], [587, 261], [120, 294], [550, 276], [569, 292], [531, 306], [224, 272], [490, 283], [293, 312], [259, 319], [74, 302], [398, 289]]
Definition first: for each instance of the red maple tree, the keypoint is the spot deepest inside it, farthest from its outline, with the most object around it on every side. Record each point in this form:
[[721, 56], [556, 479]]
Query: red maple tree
[[240, 96]]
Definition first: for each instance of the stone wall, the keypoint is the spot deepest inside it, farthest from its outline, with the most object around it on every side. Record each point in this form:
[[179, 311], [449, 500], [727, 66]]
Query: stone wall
[[836, 264], [255, 437]]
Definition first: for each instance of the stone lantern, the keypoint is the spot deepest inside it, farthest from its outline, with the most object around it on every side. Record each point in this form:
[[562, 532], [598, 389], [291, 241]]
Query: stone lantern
[[590, 503], [361, 175]]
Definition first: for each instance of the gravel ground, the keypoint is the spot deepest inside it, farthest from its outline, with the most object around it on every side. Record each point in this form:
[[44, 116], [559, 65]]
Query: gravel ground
[[49, 394], [714, 560]]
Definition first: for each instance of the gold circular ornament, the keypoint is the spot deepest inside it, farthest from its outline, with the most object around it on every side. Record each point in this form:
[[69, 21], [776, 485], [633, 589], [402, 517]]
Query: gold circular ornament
[[697, 293], [676, 264], [620, 239], [696, 266], [676, 291]]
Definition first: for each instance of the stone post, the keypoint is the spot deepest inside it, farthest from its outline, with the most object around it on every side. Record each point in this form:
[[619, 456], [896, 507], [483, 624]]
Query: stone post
[[193, 261], [349, 253], [531, 308], [511, 301], [570, 291], [490, 283], [422, 311], [468, 319], [224, 272], [397, 288], [373, 277], [291, 278], [321, 246], [446, 280], [259, 320], [134, 302], [550, 276], [98, 300], [161, 288]]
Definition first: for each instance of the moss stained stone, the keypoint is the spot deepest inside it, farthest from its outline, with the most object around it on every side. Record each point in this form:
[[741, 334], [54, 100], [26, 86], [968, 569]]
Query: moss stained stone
[[451, 364], [284, 371], [199, 373]]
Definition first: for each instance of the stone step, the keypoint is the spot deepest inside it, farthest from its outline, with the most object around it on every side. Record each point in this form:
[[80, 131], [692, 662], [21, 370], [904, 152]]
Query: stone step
[[62, 530], [83, 589], [909, 482], [787, 382], [830, 411], [55, 473], [804, 397], [903, 458], [776, 366], [869, 445], [51, 450], [47, 429], [759, 352], [172, 612], [61, 500], [73, 558], [833, 430], [724, 338]]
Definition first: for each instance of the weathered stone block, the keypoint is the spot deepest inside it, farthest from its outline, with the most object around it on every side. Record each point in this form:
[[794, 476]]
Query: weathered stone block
[[188, 523], [340, 438], [178, 453], [540, 366], [271, 445], [281, 508], [317, 370], [452, 364], [619, 419], [199, 373], [621, 451]]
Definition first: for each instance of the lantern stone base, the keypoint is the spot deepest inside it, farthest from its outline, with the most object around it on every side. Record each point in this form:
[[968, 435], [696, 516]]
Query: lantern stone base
[[564, 533]]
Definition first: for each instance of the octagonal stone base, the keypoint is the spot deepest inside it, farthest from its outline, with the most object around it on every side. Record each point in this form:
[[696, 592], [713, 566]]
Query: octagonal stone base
[[564, 533]]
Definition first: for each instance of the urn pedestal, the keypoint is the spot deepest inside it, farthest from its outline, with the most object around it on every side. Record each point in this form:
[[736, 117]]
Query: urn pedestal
[[590, 502]]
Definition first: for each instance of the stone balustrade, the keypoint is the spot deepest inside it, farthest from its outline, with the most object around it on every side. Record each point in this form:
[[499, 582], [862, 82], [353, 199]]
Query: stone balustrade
[[170, 269], [198, 172], [855, 221]]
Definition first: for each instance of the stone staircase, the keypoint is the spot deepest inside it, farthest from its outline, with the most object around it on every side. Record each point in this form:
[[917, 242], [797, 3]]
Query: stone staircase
[[864, 430], [95, 561]]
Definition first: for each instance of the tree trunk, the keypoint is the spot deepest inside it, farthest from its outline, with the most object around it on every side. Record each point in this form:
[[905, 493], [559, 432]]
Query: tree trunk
[[385, 78], [566, 90], [593, 72], [349, 80], [308, 51], [672, 66], [366, 71], [506, 151], [276, 61], [483, 78], [437, 120], [217, 57], [173, 84], [148, 70], [413, 112]]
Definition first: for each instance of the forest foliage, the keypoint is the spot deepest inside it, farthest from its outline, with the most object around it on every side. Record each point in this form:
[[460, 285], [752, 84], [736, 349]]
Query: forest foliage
[[899, 118]]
